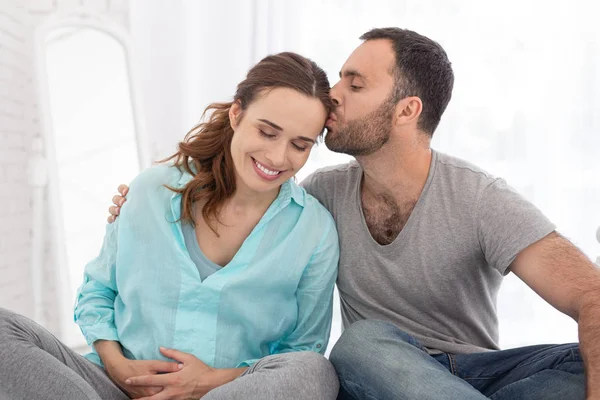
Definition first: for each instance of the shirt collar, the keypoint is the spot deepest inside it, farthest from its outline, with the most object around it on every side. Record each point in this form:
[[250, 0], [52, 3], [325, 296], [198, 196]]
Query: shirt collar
[[296, 192]]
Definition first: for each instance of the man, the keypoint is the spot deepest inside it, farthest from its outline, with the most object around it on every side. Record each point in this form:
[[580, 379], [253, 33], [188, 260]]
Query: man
[[425, 240]]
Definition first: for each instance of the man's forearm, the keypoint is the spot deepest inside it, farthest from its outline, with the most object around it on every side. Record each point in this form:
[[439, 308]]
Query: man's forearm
[[566, 278], [589, 341]]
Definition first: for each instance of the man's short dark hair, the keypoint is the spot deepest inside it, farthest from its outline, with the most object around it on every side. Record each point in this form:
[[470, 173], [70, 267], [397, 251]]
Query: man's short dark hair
[[422, 69]]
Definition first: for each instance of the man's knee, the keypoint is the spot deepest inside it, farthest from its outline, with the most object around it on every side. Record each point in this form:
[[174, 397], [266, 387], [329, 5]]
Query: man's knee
[[358, 342], [375, 359]]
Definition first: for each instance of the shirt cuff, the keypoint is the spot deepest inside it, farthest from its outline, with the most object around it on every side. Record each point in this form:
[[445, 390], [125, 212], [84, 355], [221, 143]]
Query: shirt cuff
[[102, 331]]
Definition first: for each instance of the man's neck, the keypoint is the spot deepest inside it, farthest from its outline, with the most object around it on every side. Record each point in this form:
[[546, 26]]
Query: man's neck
[[397, 172]]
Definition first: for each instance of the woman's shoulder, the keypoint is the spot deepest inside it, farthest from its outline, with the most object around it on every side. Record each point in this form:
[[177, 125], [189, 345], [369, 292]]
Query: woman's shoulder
[[155, 178], [149, 190]]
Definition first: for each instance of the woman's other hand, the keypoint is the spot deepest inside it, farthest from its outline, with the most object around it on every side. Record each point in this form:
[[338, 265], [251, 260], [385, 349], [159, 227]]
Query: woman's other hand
[[193, 380]]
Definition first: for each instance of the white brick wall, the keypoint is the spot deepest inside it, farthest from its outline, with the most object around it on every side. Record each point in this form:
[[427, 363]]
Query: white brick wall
[[19, 124], [16, 101]]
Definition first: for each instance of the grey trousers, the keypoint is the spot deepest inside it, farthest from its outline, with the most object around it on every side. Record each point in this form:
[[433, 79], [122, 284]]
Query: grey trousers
[[36, 365]]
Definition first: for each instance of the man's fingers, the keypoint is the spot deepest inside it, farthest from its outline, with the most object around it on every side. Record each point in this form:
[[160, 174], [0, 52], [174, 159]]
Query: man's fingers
[[118, 200], [114, 210], [123, 189], [111, 219], [166, 366]]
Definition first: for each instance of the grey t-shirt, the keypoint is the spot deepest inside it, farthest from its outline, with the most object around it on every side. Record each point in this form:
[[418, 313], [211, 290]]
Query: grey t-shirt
[[439, 279]]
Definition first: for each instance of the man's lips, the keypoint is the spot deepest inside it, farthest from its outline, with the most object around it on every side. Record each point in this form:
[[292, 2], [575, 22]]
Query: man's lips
[[332, 118]]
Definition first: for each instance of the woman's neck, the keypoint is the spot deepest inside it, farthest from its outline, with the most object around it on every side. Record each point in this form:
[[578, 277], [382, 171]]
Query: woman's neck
[[245, 200]]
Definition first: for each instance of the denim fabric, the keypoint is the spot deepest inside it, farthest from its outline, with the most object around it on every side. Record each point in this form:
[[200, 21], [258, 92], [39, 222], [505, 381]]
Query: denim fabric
[[376, 360]]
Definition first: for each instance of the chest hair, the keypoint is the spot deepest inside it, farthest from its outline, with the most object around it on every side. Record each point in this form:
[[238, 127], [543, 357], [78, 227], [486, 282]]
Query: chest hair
[[385, 218]]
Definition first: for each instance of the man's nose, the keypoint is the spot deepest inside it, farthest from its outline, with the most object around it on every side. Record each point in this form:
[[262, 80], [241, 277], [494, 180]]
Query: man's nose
[[334, 93]]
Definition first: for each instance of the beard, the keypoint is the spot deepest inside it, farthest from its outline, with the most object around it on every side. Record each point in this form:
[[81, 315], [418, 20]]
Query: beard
[[363, 136]]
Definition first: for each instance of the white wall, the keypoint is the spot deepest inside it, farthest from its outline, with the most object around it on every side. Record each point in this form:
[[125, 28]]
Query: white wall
[[193, 53], [19, 124]]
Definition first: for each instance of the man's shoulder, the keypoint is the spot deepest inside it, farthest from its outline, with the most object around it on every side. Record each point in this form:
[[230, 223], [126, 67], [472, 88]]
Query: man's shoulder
[[469, 184], [455, 169], [334, 172], [328, 181]]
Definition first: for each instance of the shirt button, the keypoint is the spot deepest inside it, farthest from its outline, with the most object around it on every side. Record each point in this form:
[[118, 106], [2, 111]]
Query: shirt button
[[319, 346]]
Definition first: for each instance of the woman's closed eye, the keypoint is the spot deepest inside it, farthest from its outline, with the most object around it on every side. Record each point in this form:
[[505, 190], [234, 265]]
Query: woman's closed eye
[[265, 134], [299, 147]]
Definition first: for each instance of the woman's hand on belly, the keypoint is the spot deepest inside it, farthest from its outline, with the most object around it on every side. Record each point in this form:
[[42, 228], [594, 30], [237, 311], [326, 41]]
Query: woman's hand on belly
[[119, 368], [119, 371], [193, 379]]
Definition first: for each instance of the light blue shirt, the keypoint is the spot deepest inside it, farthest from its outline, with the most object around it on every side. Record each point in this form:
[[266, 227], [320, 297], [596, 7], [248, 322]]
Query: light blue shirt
[[274, 296]]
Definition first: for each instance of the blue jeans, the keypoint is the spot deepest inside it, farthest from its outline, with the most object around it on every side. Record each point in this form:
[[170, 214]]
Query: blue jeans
[[376, 360]]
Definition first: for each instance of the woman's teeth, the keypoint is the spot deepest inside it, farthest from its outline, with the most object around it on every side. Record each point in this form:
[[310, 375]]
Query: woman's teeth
[[266, 170]]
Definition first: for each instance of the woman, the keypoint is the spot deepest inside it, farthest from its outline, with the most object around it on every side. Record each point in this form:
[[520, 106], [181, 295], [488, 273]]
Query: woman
[[220, 257]]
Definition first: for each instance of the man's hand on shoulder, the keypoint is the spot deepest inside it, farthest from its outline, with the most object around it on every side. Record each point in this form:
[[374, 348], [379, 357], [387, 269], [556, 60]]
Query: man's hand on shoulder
[[118, 200]]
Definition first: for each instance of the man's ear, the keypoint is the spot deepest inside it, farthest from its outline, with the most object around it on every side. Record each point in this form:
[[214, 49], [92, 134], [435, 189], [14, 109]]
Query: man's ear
[[408, 110]]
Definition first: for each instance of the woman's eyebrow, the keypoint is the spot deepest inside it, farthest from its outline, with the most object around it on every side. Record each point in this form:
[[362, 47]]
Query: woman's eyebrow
[[266, 121]]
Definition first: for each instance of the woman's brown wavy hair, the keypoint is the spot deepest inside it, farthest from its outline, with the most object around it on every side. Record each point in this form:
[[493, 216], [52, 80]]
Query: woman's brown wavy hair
[[207, 146]]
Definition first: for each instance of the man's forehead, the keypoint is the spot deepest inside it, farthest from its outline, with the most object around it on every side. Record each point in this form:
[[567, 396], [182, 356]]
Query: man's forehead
[[351, 72], [372, 59]]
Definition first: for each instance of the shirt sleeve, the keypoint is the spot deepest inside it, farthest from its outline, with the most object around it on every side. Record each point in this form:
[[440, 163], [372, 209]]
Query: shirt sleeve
[[507, 224], [94, 305], [315, 297]]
